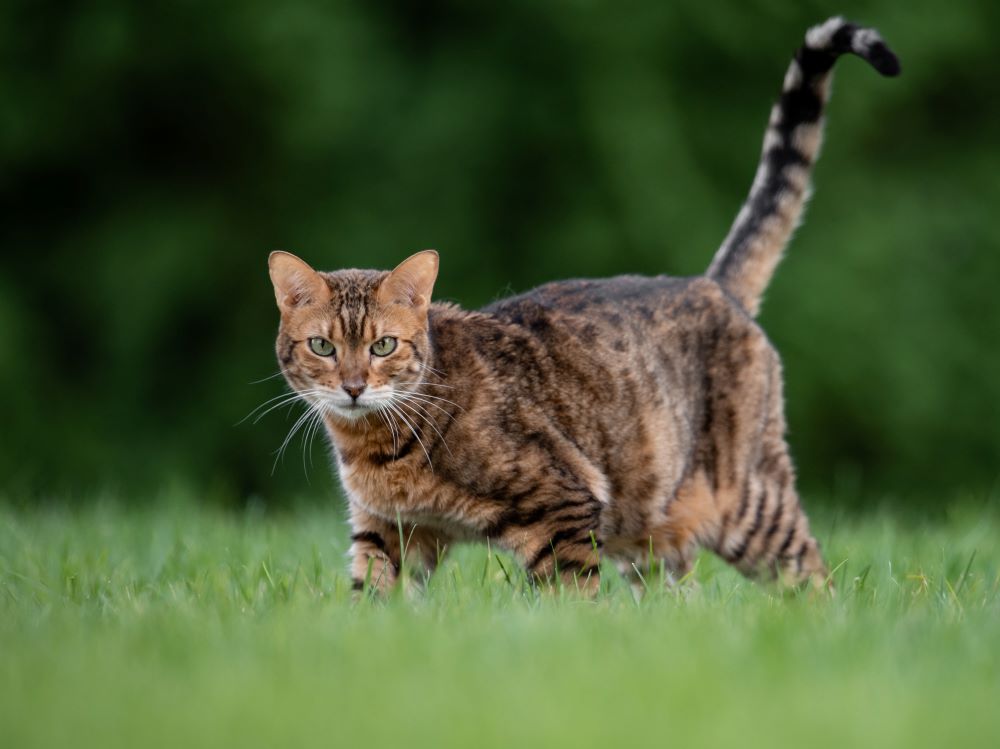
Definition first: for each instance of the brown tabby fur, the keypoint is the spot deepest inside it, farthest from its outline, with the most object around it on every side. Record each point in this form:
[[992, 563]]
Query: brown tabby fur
[[629, 418]]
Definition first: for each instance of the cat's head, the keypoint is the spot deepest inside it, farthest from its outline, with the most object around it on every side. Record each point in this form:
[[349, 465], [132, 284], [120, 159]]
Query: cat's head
[[353, 340]]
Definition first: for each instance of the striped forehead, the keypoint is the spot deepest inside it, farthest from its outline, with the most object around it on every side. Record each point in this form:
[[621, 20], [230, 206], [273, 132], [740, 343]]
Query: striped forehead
[[354, 303]]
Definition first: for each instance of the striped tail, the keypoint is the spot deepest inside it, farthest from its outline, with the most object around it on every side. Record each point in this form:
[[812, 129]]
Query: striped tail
[[747, 258]]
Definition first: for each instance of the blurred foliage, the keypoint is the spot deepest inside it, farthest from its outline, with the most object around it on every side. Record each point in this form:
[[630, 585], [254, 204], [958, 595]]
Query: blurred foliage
[[151, 154]]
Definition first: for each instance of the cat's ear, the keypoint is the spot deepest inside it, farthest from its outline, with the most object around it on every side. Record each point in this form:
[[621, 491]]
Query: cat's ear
[[412, 281], [295, 283]]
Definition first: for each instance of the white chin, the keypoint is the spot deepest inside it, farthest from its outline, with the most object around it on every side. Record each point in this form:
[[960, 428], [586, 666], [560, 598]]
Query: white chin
[[351, 412]]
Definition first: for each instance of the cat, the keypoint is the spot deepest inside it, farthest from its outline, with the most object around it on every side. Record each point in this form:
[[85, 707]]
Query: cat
[[631, 418]]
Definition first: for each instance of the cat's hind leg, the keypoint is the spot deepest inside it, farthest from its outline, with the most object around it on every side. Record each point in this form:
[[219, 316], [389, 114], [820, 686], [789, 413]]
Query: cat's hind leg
[[768, 533]]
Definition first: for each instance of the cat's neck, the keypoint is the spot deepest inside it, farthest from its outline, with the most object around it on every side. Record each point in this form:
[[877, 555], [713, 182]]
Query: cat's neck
[[364, 435]]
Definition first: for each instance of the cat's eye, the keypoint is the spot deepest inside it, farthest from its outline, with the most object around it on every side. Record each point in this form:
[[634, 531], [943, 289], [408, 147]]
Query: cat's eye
[[384, 346], [321, 347]]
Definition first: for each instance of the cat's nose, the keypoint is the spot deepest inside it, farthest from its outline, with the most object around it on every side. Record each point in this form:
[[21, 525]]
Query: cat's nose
[[353, 389]]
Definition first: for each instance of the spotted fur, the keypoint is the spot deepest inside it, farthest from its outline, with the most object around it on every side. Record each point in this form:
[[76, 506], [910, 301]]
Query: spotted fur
[[630, 418]]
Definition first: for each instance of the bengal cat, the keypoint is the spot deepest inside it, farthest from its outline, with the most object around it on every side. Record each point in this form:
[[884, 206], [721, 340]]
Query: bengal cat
[[630, 418]]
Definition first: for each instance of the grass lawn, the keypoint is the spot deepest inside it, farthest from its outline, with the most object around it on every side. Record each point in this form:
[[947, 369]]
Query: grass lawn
[[180, 627]]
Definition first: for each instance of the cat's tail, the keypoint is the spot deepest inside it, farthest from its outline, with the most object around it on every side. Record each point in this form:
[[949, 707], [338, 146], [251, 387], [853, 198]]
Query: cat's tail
[[747, 258]]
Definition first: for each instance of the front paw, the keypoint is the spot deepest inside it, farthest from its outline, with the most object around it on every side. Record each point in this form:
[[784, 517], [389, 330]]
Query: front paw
[[373, 573]]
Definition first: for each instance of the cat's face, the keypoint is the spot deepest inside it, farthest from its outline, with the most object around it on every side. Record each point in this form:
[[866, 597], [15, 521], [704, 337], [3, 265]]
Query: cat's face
[[353, 341]]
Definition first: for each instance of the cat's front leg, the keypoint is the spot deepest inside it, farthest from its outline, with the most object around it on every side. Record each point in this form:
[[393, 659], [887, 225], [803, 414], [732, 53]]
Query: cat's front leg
[[380, 549], [375, 551]]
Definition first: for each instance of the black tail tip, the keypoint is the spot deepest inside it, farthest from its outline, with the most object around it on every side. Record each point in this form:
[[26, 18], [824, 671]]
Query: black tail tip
[[837, 36], [884, 60]]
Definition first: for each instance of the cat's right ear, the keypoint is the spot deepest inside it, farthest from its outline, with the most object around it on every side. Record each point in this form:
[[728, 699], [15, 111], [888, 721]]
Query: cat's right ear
[[295, 283]]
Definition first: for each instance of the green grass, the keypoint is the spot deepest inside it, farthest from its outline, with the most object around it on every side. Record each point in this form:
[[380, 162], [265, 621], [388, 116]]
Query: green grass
[[181, 627]]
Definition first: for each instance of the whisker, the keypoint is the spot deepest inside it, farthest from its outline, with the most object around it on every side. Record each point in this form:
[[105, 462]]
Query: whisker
[[265, 403], [287, 397], [288, 438], [427, 418], [380, 410], [436, 398], [310, 432], [438, 372], [286, 402], [428, 384], [265, 379], [409, 397], [413, 429], [397, 438]]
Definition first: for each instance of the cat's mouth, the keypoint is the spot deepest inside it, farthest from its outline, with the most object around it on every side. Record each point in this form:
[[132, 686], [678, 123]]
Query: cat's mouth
[[352, 409]]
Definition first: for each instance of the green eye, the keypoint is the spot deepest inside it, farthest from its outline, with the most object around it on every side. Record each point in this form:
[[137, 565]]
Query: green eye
[[384, 346], [321, 347]]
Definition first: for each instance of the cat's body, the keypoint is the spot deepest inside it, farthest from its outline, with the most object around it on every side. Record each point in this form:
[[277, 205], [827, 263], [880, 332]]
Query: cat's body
[[632, 418]]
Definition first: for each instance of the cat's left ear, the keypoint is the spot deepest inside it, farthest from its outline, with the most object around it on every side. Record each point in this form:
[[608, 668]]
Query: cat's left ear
[[411, 282]]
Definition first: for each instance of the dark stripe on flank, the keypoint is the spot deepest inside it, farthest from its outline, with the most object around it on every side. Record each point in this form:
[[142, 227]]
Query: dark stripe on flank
[[513, 516], [534, 515], [567, 535], [580, 569]]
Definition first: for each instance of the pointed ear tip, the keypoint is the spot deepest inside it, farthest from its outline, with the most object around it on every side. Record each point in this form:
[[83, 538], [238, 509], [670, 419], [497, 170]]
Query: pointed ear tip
[[282, 257], [431, 255], [276, 256]]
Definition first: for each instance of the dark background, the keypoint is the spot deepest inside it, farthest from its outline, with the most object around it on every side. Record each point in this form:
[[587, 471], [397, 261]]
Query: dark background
[[152, 154]]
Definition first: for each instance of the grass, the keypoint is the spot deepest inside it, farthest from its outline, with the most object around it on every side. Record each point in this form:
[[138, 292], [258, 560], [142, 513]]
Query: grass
[[179, 626]]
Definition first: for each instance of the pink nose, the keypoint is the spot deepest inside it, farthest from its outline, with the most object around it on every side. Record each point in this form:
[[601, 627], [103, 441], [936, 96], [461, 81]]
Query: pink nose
[[354, 389]]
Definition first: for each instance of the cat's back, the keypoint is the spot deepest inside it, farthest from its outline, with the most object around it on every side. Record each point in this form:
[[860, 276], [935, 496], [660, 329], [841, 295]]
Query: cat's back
[[604, 349], [678, 316], [590, 296]]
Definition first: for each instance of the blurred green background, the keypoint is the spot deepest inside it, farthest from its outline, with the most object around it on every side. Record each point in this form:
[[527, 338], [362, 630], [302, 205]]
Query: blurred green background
[[152, 154]]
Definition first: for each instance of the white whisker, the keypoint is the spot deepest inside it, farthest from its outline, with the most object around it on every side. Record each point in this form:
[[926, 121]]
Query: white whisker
[[410, 397], [392, 406], [381, 411], [438, 372], [423, 414], [315, 423], [265, 379], [280, 452], [428, 384], [285, 398], [434, 397]]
